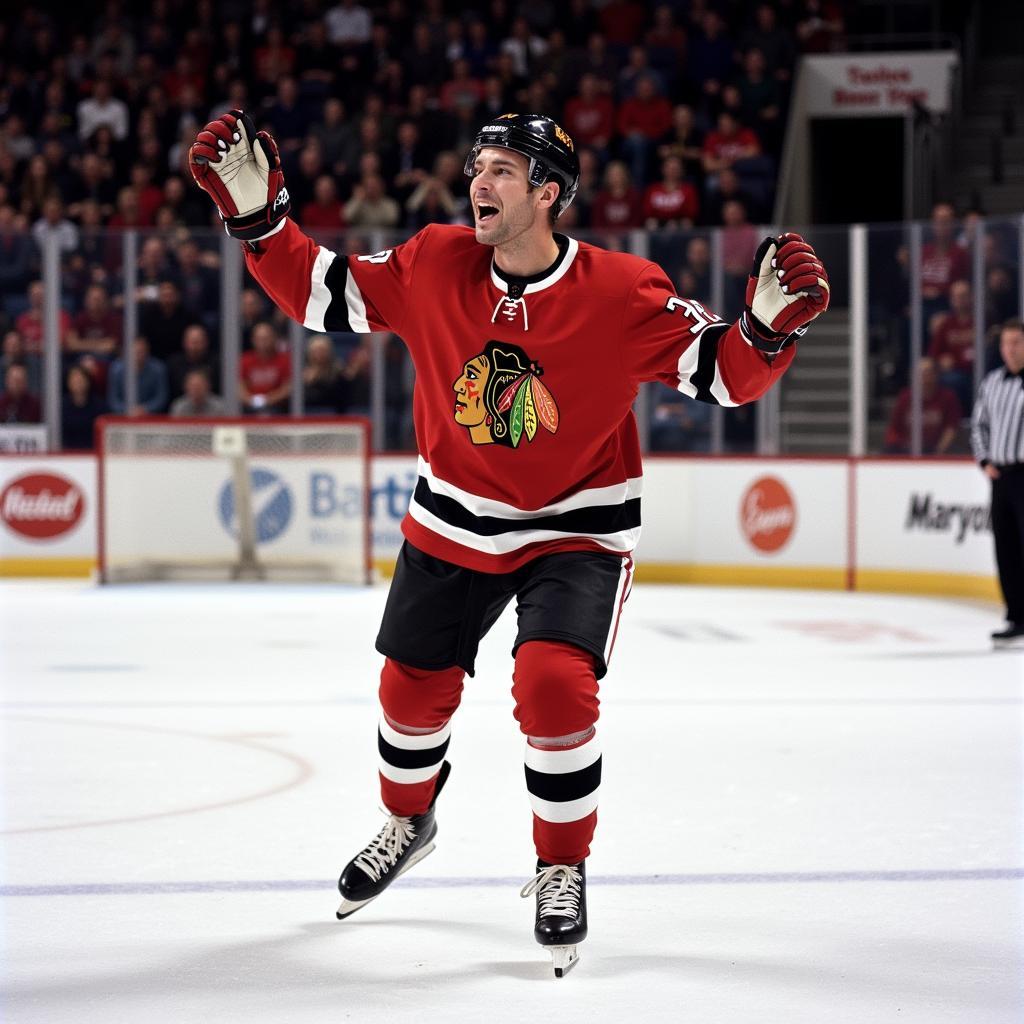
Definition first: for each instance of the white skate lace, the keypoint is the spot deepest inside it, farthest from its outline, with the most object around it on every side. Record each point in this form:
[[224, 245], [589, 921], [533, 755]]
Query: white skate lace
[[559, 887], [379, 857], [509, 312]]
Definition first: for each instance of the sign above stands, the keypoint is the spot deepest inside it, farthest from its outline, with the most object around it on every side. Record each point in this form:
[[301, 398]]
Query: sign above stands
[[869, 84]]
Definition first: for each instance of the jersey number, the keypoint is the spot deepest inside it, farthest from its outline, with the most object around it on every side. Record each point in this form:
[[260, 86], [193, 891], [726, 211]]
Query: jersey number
[[695, 311], [378, 257]]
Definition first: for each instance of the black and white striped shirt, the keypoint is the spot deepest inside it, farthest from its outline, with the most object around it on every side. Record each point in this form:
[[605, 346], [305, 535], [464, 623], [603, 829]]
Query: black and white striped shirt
[[997, 423]]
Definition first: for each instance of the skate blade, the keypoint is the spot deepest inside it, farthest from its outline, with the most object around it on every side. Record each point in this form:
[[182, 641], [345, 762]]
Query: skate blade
[[1013, 644], [349, 907], [563, 959]]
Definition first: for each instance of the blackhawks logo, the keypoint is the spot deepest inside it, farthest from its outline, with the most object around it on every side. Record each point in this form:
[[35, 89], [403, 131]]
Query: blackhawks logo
[[500, 397]]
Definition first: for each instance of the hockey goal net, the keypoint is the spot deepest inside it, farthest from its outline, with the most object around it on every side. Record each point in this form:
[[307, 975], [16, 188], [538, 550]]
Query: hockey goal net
[[233, 499]]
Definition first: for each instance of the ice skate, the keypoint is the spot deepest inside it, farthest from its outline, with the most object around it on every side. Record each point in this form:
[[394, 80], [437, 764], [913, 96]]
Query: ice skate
[[561, 922], [1010, 638], [400, 844]]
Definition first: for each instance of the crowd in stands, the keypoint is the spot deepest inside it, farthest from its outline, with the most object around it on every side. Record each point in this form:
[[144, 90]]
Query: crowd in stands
[[677, 110]]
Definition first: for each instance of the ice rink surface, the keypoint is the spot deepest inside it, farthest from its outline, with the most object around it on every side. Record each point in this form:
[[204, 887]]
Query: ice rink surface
[[812, 811]]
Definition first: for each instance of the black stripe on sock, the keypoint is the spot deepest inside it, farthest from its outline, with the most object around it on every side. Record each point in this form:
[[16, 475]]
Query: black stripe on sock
[[397, 757], [336, 316], [560, 788]]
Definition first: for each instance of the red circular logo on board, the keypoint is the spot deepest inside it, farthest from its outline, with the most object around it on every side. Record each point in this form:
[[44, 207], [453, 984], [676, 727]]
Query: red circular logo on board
[[41, 505], [768, 514]]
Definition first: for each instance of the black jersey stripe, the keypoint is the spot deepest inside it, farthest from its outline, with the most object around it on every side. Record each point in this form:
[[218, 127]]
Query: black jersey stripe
[[707, 356], [592, 521], [398, 757], [564, 786], [335, 280]]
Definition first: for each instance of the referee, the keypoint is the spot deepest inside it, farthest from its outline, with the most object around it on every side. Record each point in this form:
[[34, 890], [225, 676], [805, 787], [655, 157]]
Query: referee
[[997, 439]]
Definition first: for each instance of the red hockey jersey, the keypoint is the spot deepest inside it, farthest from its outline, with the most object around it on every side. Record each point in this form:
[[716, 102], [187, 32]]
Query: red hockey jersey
[[524, 392]]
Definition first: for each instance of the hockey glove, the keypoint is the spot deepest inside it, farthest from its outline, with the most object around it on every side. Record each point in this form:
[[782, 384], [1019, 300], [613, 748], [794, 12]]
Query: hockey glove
[[241, 170], [786, 290]]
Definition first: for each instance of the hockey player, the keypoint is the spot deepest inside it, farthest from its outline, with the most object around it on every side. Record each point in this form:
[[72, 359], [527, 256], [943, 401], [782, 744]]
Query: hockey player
[[529, 347]]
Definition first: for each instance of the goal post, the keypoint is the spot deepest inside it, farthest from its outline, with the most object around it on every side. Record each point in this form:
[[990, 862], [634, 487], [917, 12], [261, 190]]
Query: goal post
[[234, 498]]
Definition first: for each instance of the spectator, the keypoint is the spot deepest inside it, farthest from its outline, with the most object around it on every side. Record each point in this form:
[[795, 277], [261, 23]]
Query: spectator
[[685, 142], [93, 181], [821, 28], [265, 373], [150, 197], [323, 379], [952, 344], [617, 206], [53, 224], [637, 67], [643, 121], [15, 251], [590, 116], [198, 399], [163, 322], [198, 278], [348, 25], [317, 61], [336, 136], [774, 42], [711, 55], [462, 91], [760, 99], [680, 424], [524, 47], [369, 207], [17, 403], [431, 203], [695, 274], [410, 160], [940, 416], [30, 324], [729, 188], [324, 211], [943, 261], [727, 144], [14, 352], [102, 109], [80, 408], [194, 354], [666, 45], [287, 117], [739, 243], [151, 383], [37, 186], [671, 202], [97, 328]]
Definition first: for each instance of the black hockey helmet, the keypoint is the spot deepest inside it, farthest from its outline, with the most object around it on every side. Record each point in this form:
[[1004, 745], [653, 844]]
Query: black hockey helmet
[[548, 147]]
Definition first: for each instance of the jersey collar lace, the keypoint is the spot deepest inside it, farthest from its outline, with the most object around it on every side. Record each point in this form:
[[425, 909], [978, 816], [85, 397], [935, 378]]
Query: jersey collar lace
[[515, 289]]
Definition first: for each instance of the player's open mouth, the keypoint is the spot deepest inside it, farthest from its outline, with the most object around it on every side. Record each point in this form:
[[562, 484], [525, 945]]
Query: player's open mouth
[[485, 213], [459, 406]]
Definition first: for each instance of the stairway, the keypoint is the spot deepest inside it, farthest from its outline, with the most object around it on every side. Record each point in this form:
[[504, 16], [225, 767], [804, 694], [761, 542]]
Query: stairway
[[814, 397], [989, 166]]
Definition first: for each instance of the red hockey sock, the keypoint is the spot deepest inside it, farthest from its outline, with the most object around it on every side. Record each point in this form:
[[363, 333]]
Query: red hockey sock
[[556, 705], [414, 730]]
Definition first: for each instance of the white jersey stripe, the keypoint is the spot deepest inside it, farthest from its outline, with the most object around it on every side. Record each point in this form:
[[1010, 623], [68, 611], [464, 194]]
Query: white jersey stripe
[[614, 494], [356, 306], [319, 293], [503, 544], [407, 776]]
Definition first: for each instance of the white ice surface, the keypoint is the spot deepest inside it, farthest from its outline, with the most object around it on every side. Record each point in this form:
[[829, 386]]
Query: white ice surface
[[812, 811]]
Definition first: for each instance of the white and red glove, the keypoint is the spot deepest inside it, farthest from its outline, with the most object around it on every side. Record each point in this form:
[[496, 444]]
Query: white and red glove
[[240, 168], [786, 290]]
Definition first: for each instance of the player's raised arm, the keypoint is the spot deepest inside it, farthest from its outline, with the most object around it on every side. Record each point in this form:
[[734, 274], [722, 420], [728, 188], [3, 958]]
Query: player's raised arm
[[681, 343], [240, 169]]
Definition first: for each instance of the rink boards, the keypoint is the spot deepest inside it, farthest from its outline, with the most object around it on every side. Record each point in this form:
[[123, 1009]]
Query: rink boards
[[864, 524]]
